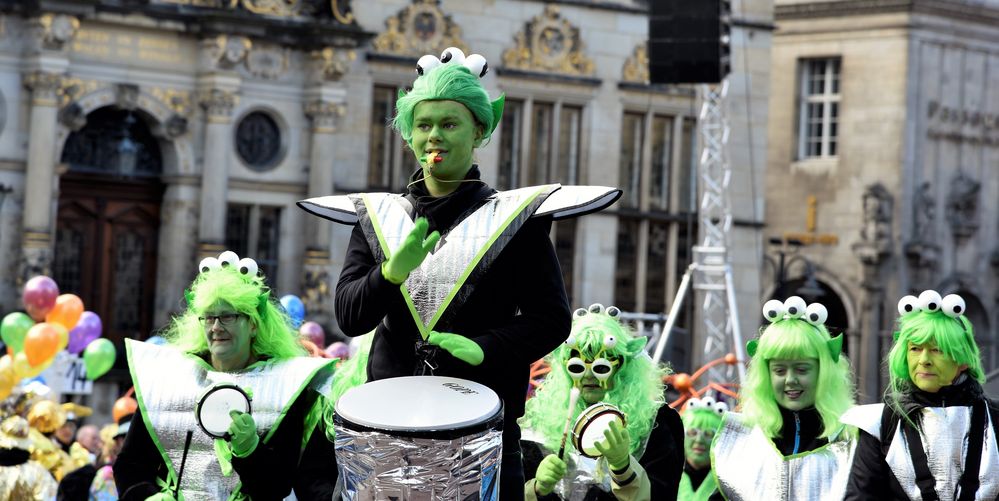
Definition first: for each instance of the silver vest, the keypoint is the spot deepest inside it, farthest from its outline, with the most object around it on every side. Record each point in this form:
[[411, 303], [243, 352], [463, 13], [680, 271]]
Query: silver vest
[[749, 467], [168, 384], [944, 432]]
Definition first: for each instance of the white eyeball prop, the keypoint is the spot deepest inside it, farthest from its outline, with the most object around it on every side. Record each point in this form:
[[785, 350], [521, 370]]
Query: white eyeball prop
[[708, 401], [953, 305], [209, 264], [571, 341], [816, 314], [453, 55], [908, 304], [613, 311], [247, 267], [228, 258], [930, 301], [794, 306], [694, 403], [581, 312], [773, 310], [610, 342], [596, 308], [477, 65], [721, 407], [427, 63]]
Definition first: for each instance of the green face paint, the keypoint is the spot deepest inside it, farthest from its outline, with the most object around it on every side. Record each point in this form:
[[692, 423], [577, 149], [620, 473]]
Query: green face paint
[[794, 382], [930, 368], [697, 446], [448, 131]]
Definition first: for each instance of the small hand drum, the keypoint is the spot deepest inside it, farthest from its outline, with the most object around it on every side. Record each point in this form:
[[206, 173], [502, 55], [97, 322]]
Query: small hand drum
[[591, 425], [212, 411]]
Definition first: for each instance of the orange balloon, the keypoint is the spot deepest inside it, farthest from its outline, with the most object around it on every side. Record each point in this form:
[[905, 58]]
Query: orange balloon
[[66, 311], [41, 343], [63, 336], [123, 407]]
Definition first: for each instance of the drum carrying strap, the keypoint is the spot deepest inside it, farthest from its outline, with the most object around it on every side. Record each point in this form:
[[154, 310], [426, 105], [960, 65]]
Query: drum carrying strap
[[972, 462]]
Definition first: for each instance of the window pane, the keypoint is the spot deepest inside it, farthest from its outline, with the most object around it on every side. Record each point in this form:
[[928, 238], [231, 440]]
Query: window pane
[[267, 244], [835, 76], [381, 138], [541, 139], [565, 249], [686, 237], [655, 279], [687, 177], [568, 145], [237, 228], [627, 264], [662, 151], [630, 159], [509, 163]]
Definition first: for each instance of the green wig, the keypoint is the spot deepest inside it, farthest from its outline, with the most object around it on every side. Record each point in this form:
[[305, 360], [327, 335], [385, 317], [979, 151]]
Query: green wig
[[247, 294], [637, 383], [448, 82], [954, 336], [791, 339], [701, 418]]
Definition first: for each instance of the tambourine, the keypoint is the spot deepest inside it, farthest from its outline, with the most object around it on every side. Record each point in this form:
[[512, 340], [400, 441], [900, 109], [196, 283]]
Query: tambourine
[[214, 405], [590, 426]]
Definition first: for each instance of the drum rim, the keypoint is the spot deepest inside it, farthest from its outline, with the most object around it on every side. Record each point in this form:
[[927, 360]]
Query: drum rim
[[494, 422], [213, 389], [585, 419]]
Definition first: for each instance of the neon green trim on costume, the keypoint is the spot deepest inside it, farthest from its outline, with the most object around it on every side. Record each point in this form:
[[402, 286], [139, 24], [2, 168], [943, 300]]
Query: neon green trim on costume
[[171, 473]]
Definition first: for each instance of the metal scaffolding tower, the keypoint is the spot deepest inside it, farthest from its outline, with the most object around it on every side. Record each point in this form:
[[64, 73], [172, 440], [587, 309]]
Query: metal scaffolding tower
[[710, 270]]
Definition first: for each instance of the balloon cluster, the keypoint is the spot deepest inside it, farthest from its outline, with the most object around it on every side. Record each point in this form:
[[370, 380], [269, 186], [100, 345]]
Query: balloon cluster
[[53, 322]]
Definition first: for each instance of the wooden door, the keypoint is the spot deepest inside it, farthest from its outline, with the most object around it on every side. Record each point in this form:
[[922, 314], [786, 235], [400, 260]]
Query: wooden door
[[107, 235]]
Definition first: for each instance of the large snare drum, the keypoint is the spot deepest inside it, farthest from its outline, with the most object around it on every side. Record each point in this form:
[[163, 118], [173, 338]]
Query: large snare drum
[[419, 438], [591, 425]]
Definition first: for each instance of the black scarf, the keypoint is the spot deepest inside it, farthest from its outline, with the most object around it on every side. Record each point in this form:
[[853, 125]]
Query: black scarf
[[444, 212]]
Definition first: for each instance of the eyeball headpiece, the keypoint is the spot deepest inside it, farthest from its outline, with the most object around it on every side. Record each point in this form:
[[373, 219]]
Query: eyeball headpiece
[[930, 301], [794, 308]]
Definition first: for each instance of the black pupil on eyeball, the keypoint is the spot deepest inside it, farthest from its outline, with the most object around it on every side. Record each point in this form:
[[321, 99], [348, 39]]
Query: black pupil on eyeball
[[773, 313], [792, 310], [932, 306], [957, 309], [815, 317]]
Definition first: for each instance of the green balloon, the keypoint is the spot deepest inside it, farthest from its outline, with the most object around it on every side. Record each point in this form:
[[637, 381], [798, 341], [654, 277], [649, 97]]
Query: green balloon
[[13, 329], [98, 358]]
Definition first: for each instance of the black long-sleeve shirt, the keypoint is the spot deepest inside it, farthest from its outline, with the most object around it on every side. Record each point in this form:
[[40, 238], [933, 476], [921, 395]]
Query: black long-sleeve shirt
[[517, 312], [268, 473]]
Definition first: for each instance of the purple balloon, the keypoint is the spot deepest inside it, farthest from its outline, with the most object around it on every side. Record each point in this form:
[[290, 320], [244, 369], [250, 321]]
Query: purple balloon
[[39, 296], [338, 350], [87, 329], [313, 332]]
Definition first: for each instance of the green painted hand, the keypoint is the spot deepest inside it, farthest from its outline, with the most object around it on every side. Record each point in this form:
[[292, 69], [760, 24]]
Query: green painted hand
[[411, 253], [243, 433], [616, 446], [459, 346], [550, 471]]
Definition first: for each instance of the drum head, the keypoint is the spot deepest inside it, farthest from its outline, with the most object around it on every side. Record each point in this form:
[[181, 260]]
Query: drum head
[[214, 405], [418, 404], [591, 425]]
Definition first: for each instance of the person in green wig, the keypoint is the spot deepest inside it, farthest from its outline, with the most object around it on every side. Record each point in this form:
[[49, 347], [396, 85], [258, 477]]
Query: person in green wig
[[701, 419], [935, 435], [233, 335], [602, 361], [795, 390], [456, 278]]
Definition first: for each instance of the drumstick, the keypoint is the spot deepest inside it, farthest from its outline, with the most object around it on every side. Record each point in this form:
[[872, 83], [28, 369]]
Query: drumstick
[[573, 398], [183, 459]]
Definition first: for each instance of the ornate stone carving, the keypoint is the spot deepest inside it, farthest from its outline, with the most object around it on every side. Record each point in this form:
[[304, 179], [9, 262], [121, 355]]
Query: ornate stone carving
[[73, 117], [922, 251], [218, 104], [421, 28], [324, 115], [36, 256], [178, 100], [44, 87], [549, 43], [268, 61], [225, 52], [636, 67], [316, 286], [875, 244], [52, 31], [330, 65], [173, 127], [962, 206], [126, 96]]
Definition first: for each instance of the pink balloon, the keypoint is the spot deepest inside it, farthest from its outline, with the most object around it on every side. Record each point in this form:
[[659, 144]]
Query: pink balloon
[[87, 329], [338, 350], [313, 332], [39, 297]]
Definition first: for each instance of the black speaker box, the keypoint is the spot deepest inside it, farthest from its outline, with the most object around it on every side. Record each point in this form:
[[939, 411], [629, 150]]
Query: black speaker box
[[688, 41]]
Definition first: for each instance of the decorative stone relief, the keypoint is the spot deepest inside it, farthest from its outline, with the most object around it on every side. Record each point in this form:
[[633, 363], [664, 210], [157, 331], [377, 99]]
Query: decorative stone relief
[[962, 206], [73, 89], [44, 87], [268, 61], [549, 43], [225, 52], [329, 64], [127, 96], [875, 244], [421, 28], [922, 251], [324, 115], [178, 100], [172, 128], [316, 285], [73, 117], [218, 104], [636, 67], [52, 31]]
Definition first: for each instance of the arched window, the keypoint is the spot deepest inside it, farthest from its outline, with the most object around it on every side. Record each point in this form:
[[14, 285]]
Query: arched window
[[114, 142]]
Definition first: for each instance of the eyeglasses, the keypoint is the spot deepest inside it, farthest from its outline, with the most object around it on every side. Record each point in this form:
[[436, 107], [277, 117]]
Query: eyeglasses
[[601, 367], [694, 432], [226, 319]]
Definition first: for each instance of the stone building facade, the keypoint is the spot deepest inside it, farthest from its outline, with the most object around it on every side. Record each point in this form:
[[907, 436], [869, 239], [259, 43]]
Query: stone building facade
[[884, 145], [136, 139]]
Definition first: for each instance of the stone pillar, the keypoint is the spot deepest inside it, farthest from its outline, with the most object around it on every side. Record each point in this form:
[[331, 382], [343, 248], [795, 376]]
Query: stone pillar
[[40, 179], [218, 101]]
